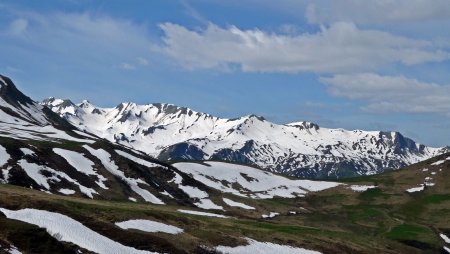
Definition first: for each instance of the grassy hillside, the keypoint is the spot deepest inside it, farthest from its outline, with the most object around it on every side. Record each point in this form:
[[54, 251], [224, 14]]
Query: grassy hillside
[[384, 219]]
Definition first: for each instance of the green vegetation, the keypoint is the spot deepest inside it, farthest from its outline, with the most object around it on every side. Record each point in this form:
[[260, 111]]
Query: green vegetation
[[385, 219]]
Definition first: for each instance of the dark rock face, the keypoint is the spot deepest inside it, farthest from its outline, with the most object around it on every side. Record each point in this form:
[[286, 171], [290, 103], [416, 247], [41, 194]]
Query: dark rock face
[[182, 151]]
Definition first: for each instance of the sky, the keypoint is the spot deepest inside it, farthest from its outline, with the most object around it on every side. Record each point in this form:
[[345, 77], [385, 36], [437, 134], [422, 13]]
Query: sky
[[352, 64]]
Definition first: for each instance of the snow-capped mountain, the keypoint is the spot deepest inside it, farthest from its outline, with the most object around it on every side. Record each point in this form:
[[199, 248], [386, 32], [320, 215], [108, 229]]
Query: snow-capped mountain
[[42, 151], [169, 132]]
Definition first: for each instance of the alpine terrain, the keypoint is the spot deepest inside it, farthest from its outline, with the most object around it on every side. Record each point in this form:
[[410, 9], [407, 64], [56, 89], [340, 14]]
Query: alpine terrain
[[302, 149], [64, 189]]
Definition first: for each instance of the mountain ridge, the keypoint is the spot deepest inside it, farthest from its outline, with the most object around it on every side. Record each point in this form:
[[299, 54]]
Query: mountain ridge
[[303, 149]]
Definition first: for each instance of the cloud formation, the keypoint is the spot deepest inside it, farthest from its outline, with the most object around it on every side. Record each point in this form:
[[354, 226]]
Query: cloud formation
[[340, 47], [81, 39], [391, 93], [376, 11]]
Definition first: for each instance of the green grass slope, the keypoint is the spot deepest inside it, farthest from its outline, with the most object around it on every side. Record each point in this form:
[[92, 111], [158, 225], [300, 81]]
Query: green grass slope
[[385, 219]]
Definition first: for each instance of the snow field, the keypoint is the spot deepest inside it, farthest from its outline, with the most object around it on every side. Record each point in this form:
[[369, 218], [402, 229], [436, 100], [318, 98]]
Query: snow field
[[66, 229], [149, 226]]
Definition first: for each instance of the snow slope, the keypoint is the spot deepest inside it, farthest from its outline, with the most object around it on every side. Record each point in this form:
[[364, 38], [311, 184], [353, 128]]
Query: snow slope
[[22, 118], [252, 182], [149, 226], [201, 213], [4, 156], [169, 132], [237, 204], [110, 165], [66, 229], [262, 247]]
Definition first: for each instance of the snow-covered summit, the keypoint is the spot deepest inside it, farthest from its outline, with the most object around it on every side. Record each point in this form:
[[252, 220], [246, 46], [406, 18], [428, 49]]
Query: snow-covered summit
[[169, 132], [23, 118]]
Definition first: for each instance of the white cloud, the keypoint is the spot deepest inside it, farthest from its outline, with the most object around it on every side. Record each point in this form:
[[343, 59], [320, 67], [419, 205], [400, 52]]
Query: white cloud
[[81, 39], [341, 47], [391, 93], [376, 11]]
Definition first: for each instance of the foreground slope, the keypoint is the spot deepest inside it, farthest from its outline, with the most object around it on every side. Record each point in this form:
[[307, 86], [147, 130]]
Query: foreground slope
[[302, 149], [375, 214]]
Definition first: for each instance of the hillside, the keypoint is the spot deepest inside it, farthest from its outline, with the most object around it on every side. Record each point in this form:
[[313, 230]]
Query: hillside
[[374, 214], [303, 149], [65, 190]]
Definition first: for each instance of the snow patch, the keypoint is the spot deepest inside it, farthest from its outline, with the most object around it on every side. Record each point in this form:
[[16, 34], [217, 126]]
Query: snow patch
[[437, 163], [13, 250], [149, 226], [201, 213], [4, 156], [445, 238], [416, 189], [137, 160], [264, 247], [109, 164], [81, 164], [254, 183], [34, 172], [447, 249], [27, 151], [66, 229], [361, 188], [207, 204], [270, 215], [237, 204], [66, 191]]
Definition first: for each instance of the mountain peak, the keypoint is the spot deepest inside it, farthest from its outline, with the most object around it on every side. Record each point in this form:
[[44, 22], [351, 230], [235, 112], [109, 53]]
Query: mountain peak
[[303, 125], [11, 94]]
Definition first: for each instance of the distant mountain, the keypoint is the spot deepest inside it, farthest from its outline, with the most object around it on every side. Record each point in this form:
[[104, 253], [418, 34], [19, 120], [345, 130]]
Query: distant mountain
[[303, 149], [42, 151], [206, 206]]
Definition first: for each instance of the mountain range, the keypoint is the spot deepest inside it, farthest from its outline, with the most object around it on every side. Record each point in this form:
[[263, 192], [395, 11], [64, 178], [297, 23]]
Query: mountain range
[[302, 149], [67, 188]]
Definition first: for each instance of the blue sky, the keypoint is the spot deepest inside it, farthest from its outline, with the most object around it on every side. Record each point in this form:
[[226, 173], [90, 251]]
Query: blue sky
[[378, 65]]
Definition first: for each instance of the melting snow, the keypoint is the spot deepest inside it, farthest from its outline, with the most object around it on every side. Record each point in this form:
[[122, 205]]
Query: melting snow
[[81, 164], [361, 188], [109, 164], [193, 192], [416, 189], [34, 171], [66, 229], [137, 160], [4, 156], [263, 247], [27, 151], [270, 215], [237, 204], [207, 204], [13, 250], [445, 238], [254, 182], [66, 191], [438, 162], [202, 213], [149, 226]]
